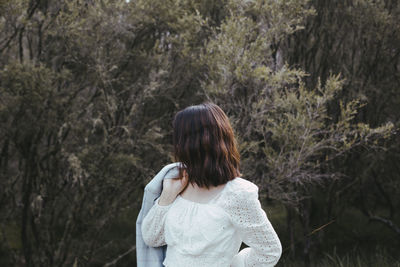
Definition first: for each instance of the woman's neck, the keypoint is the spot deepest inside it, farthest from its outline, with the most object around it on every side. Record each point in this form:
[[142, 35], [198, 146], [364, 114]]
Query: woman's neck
[[201, 194]]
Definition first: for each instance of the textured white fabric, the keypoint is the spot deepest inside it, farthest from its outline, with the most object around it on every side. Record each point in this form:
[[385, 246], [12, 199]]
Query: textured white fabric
[[210, 234]]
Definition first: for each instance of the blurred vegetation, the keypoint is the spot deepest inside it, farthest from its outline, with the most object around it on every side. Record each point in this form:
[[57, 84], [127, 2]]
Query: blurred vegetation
[[88, 90]]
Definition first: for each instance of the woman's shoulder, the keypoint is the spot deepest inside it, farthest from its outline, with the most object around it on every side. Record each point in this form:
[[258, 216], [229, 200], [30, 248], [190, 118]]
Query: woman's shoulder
[[239, 198], [242, 188]]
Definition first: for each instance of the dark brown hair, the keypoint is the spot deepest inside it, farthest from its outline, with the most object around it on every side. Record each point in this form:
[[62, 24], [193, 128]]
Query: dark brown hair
[[205, 145]]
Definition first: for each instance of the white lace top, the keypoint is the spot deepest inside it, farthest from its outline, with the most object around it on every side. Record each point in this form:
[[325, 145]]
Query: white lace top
[[211, 234]]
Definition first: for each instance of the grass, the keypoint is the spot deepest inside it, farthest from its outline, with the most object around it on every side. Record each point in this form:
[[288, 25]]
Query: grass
[[355, 258], [350, 241]]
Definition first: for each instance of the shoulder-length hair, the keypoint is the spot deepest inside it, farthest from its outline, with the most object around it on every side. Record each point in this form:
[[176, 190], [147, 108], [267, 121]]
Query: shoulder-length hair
[[205, 145]]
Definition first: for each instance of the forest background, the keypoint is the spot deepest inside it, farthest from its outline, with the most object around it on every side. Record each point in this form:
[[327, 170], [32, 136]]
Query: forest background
[[88, 90]]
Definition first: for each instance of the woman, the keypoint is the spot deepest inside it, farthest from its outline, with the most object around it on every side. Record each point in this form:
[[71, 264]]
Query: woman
[[204, 215]]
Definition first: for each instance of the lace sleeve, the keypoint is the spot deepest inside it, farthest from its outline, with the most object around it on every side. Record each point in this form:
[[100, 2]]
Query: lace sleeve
[[153, 225], [254, 228]]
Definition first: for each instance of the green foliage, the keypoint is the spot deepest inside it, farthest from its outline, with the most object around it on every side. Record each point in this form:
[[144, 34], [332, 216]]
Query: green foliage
[[358, 39], [287, 132], [88, 90]]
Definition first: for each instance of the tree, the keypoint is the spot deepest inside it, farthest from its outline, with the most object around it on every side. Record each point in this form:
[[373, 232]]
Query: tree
[[288, 134], [360, 40]]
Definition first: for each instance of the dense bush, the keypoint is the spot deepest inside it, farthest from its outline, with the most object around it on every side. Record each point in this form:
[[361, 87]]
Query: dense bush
[[88, 90]]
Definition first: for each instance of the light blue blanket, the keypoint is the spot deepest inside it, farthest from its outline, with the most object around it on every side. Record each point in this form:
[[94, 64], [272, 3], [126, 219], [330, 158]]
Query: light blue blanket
[[148, 256]]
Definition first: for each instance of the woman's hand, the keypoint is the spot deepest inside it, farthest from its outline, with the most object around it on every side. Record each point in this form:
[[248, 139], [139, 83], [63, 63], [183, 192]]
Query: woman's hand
[[171, 189]]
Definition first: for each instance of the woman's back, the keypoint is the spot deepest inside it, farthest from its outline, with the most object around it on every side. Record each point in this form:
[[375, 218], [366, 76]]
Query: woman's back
[[210, 234]]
